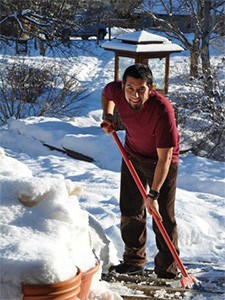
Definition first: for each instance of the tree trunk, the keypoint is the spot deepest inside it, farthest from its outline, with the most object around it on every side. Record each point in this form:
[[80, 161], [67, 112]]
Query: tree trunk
[[42, 47], [206, 68], [205, 57], [194, 57]]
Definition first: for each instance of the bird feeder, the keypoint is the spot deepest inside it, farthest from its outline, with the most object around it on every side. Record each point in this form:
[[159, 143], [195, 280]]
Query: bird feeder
[[147, 48]]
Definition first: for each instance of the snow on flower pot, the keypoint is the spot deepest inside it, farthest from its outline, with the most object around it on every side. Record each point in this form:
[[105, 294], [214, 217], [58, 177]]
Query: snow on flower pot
[[65, 290], [86, 279]]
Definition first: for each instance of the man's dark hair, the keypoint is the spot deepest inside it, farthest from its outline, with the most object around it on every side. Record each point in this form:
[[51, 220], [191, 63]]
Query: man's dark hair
[[139, 71]]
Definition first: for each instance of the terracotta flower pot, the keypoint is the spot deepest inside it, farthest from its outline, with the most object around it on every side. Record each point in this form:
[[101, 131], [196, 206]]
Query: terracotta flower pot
[[65, 290], [86, 279]]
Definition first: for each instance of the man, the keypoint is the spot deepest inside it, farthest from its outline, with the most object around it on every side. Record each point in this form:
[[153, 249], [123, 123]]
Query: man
[[152, 144]]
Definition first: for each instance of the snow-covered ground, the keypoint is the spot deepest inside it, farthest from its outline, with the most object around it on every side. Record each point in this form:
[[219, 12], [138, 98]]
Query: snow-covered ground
[[72, 212]]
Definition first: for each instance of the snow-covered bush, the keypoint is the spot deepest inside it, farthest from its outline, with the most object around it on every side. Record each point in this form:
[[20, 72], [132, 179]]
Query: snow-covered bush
[[36, 89]]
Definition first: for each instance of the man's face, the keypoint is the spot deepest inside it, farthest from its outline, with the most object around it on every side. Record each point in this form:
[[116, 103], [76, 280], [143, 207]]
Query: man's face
[[136, 92]]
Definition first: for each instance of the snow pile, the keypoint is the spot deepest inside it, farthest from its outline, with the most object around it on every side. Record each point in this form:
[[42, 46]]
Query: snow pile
[[45, 235]]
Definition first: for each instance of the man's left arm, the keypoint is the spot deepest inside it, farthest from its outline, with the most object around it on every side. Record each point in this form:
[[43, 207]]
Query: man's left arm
[[160, 174], [162, 167]]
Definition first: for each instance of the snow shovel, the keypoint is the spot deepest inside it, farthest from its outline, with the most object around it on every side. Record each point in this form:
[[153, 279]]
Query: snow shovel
[[187, 281]]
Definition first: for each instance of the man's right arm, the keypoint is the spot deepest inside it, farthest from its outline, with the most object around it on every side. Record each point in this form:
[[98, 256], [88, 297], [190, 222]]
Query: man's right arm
[[107, 105], [108, 110]]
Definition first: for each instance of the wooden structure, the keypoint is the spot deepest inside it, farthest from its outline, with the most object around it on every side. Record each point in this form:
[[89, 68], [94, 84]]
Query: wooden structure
[[147, 48]]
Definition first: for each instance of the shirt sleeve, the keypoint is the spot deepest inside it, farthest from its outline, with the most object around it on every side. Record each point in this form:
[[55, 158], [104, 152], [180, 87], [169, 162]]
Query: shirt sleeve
[[166, 131], [108, 90], [113, 91]]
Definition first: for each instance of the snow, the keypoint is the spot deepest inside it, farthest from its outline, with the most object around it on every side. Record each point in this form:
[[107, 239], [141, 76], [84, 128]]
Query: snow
[[59, 213], [142, 36], [150, 48]]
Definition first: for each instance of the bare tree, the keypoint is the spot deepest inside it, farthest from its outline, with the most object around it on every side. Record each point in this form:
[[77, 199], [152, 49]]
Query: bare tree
[[207, 26], [28, 23], [201, 122], [204, 15], [124, 9], [62, 10], [45, 21]]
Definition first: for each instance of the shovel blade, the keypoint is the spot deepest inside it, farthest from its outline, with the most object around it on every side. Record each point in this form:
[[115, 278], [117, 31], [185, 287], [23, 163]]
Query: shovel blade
[[189, 281]]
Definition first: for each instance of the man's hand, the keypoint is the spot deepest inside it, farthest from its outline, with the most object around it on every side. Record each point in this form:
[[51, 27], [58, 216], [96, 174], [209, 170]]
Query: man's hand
[[152, 206], [107, 124]]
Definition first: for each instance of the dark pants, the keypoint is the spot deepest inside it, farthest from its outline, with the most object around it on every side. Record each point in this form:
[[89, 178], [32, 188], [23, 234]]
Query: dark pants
[[133, 216]]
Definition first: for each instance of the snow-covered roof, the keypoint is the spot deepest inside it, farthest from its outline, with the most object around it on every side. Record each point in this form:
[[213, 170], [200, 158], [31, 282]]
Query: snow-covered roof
[[141, 41], [116, 45], [142, 36]]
